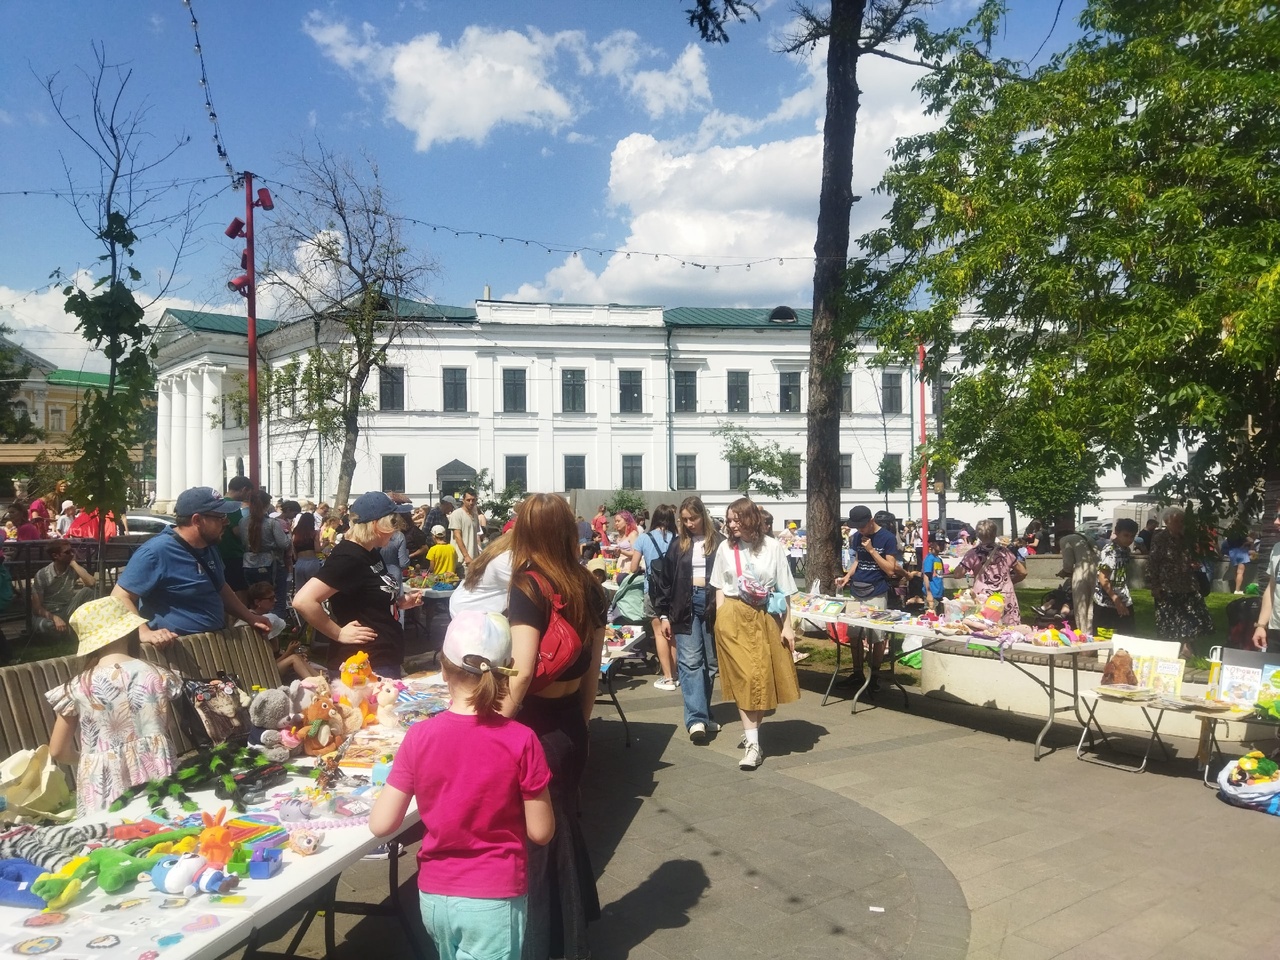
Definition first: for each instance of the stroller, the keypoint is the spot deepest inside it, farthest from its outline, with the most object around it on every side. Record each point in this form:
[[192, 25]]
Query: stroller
[[1056, 606], [627, 609]]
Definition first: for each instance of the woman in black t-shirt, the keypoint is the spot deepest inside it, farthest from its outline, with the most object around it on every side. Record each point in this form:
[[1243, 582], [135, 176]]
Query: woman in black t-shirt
[[362, 594], [562, 888]]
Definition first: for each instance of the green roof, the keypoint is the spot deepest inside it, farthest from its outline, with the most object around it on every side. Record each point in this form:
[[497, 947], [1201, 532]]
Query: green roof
[[417, 310], [732, 317], [77, 378], [203, 322]]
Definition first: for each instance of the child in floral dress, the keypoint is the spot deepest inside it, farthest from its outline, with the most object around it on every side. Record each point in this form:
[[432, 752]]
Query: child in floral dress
[[115, 713]]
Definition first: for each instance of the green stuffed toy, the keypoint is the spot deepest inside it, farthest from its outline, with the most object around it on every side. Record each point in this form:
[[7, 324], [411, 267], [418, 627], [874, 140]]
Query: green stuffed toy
[[216, 767], [113, 867]]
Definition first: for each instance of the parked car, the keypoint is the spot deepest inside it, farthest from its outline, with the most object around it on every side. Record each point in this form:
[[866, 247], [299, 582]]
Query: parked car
[[148, 524], [954, 529]]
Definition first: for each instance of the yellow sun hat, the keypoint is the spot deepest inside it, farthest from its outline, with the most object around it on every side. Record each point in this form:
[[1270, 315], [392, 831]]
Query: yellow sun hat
[[103, 621]]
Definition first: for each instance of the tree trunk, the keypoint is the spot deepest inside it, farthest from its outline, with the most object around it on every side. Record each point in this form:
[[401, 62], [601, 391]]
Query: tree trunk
[[831, 249], [347, 461]]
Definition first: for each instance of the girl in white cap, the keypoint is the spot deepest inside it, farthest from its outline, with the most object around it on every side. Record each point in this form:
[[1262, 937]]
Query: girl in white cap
[[481, 785], [115, 713]]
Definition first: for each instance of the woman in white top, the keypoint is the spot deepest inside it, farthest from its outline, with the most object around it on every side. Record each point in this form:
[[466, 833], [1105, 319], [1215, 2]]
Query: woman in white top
[[756, 648], [487, 581]]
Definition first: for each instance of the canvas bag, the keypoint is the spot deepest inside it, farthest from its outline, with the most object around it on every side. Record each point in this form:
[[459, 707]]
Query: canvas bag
[[560, 644], [34, 789]]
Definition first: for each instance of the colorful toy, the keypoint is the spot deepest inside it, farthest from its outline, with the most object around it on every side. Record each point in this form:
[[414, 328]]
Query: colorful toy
[[1254, 768], [357, 678], [190, 874], [215, 840], [114, 868], [216, 766], [305, 842], [386, 695], [993, 609], [318, 734], [265, 864]]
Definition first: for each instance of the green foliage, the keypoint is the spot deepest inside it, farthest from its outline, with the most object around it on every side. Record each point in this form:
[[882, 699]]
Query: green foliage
[[14, 427], [494, 504], [889, 475], [629, 500], [770, 469], [1103, 240]]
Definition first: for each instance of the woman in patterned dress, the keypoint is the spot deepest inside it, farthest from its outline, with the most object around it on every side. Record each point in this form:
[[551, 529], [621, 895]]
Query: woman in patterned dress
[[1181, 613]]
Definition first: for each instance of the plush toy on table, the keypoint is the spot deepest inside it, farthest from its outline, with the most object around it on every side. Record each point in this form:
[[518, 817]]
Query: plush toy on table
[[218, 766], [215, 839], [355, 683], [1119, 669], [386, 695], [318, 732], [189, 874], [993, 608], [274, 713]]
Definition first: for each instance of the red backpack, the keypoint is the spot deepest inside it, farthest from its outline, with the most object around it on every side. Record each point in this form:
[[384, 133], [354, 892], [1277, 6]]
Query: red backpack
[[560, 645]]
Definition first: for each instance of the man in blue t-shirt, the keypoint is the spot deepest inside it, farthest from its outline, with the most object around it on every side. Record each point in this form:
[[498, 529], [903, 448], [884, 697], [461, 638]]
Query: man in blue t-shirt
[[176, 579], [874, 554]]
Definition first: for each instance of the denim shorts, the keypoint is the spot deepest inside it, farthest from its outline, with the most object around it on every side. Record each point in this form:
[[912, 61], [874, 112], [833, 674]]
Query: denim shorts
[[471, 927]]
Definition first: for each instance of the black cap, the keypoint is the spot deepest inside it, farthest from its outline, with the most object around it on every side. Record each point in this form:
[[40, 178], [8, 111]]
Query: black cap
[[859, 516]]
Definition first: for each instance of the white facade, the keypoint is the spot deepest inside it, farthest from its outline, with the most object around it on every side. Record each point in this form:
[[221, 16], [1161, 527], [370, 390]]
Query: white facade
[[461, 402]]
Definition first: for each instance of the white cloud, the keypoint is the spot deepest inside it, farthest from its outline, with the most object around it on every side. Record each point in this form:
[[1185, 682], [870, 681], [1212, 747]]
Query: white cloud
[[40, 323], [708, 199], [444, 92], [676, 90]]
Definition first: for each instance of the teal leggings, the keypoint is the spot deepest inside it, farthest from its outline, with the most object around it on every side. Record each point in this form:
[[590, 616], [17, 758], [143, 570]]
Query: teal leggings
[[466, 928]]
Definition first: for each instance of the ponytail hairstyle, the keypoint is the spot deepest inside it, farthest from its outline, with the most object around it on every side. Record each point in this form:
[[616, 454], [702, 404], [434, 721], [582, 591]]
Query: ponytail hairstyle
[[488, 690], [259, 514]]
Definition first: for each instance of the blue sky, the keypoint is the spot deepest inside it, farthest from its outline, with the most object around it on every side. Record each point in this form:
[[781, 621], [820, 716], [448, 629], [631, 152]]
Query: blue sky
[[575, 124]]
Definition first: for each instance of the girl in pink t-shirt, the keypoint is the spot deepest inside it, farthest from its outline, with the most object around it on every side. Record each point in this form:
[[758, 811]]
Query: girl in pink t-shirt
[[480, 781]]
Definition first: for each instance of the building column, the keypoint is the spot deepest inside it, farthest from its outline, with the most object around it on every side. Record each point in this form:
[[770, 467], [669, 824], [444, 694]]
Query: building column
[[211, 430], [178, 435], [164, 442], [196, 429]]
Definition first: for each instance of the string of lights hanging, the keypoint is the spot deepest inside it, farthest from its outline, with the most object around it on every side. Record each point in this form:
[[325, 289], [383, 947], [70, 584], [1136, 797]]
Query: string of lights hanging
[[218, 143]]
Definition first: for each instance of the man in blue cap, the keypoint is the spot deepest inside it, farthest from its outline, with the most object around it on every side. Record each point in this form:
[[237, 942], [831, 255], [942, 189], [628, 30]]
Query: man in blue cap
[[176, 579]]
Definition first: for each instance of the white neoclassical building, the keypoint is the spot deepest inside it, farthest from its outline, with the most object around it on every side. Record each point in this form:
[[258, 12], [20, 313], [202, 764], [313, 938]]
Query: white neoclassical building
[[557, 396]]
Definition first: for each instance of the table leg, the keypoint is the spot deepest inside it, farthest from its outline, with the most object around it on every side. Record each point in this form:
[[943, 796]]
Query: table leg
[[1053, 707], [834, 673], [613, 695]]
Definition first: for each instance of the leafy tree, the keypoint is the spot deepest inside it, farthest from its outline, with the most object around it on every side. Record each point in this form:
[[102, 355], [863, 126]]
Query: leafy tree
[[629, 500], [495, 505], [770, 469], [16, 425], [1103, 239], [888, 477], [112, 423], [340, 261], [853, 29]]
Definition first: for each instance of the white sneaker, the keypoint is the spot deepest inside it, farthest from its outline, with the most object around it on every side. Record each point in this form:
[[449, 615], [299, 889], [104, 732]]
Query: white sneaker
[[752, 758], [1239, 593], [698, 732], [664, 683], [713, 727]]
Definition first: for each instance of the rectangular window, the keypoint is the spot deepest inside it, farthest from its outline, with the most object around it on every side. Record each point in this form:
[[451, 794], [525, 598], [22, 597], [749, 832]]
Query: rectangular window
[[686, 383], [791, 470], [293, 478], [739, 391], [789, 392], [517, 472], [846, 393], [279, 477], [630, 383], [686, 471], [455, 389], [846, 471], [391, 388], [890, 392], [311, 477], [57, 421], [393, 472], [513, 391], [739, 474], [573, 391], [575, 472], [632, 472]]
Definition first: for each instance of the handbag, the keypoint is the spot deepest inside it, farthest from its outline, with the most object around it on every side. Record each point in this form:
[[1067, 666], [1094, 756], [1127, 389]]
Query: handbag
[[777, 603], [750, 590], [34, 789], [560, 644], [217, 710]]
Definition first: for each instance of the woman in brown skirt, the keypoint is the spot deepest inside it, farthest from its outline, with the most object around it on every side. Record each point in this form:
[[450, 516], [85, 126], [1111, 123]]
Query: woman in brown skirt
[[756, 648]]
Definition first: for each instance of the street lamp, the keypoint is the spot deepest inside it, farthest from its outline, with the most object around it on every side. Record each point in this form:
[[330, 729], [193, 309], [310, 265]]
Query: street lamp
[[246, 286]]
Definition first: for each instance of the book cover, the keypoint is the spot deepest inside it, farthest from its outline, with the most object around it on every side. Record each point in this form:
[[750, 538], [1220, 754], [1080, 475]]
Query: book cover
[[1240, 684], [1163, 676]]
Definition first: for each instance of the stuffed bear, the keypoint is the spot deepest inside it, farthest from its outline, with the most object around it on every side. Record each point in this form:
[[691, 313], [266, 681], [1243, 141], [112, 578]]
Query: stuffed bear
[[271, 712], [1119, 669], [318, 732], [386, 694]]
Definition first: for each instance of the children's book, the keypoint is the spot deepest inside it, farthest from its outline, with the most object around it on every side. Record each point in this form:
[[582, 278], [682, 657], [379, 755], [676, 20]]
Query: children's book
[[1162, 676], [1240, 684]]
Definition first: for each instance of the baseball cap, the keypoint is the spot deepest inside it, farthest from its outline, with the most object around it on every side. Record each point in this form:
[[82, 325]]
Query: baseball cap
[[375, 505], [203, 500], [598, 564], [859, 516], [450, 501], [479, 642], [438, 530]]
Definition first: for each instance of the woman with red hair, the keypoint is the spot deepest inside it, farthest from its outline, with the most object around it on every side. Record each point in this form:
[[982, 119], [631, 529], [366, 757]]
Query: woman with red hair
[[756, 648], [547, 571]]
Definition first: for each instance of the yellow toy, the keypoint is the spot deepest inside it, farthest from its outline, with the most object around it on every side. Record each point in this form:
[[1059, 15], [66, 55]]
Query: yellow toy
[[73, 883], [357, 678], [185, 845]]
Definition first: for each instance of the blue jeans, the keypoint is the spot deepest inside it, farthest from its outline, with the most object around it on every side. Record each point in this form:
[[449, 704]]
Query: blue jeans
[[696, 663], [468, 928]]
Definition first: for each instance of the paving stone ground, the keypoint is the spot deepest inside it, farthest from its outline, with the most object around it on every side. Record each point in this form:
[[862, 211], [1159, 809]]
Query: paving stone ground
[[936, 815]]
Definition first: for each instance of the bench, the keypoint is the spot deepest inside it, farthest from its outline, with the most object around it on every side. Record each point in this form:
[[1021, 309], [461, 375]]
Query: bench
[[26, 719]]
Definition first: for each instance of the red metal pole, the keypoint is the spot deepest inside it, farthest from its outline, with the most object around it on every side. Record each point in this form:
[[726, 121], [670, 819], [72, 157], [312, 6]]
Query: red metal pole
[[924, 464], [252, 302]]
